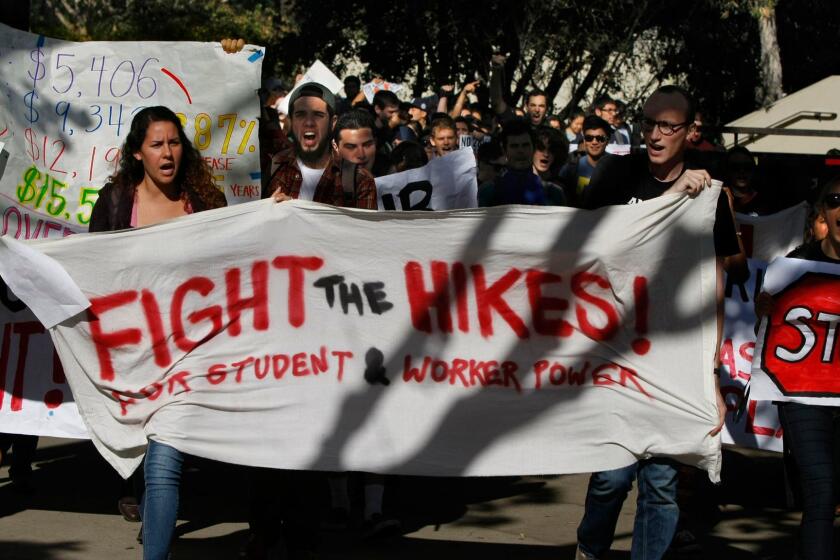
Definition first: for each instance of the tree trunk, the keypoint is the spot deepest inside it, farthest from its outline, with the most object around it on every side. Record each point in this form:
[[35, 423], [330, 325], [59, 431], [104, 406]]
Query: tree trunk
[[771, 63], [599, 62], [558, 76], [525, 79]]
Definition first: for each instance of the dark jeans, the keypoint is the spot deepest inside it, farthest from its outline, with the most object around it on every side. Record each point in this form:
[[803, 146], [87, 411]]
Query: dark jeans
[[159, 508], [656, 509], [23, 452], [284, 504], [811, 433]]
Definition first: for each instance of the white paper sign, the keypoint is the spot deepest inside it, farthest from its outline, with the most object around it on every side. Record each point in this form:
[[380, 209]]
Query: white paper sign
[[445, 183], [615, 149], [319, 73], [797, 356], [371, 88]]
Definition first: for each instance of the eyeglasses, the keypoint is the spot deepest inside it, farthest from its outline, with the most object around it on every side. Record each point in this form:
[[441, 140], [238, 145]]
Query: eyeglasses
[[666, 128], [595, 138], [832, 201]]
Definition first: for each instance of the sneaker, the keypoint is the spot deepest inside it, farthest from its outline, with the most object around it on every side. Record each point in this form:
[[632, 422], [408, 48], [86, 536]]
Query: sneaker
[[338, 519], [129, 508], [378, 526], [22, 484], [581, 555]]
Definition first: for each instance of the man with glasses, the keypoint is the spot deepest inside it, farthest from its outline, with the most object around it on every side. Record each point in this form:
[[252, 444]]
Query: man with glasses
[[605, 108], [576, 174], [612, 111], [663, 169]]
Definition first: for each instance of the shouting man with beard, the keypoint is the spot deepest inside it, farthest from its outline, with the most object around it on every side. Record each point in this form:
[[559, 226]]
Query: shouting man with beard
[[315, 172]]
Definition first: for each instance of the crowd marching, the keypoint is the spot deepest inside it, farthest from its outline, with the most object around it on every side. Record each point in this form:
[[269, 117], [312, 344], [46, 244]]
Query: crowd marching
[[330, 149]]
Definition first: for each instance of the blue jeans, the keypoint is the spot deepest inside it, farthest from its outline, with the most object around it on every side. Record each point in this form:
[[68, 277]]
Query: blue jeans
[[810, 434], [160, 502], [657, 512]]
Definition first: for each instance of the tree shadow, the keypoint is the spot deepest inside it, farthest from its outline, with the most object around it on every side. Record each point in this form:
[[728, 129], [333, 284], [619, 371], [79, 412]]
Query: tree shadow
[[25, 550], [459, 423]]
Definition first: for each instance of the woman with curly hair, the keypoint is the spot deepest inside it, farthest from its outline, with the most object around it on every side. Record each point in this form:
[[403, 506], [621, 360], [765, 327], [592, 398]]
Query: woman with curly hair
[[161, 176]]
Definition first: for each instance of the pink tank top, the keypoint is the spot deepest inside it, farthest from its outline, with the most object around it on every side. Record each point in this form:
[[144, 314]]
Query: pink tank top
[[133, 223]]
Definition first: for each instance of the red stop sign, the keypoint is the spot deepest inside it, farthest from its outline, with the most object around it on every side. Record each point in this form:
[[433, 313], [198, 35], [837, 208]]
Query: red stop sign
[[800, 351]]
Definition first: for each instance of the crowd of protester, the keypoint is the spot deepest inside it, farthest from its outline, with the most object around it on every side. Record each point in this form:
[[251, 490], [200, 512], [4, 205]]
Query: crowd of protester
[[330, 149]]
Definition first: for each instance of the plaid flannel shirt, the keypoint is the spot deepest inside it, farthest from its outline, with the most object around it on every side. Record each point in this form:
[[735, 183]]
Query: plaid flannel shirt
[[288, 178]]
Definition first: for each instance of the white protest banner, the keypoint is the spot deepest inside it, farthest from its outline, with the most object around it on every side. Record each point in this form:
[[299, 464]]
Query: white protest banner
[[371, 88], [34, 395], [758, 427], [318, 72], [429, 343], [71, 106], [764, 238], [797, 357], [445, 183]]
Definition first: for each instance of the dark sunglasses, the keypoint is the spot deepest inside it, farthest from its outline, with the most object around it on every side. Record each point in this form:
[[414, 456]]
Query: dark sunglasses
[[832, 201], [595, 138]]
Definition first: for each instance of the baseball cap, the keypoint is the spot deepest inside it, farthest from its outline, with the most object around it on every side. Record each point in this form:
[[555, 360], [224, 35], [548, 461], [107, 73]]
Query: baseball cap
[[427, 104], [312, 89]]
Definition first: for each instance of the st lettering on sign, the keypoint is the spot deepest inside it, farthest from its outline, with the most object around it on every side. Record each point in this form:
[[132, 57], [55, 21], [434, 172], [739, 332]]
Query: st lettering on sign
[[800, 352]]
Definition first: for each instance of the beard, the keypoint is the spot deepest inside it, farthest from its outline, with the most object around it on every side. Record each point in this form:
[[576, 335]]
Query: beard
[[312, 156]]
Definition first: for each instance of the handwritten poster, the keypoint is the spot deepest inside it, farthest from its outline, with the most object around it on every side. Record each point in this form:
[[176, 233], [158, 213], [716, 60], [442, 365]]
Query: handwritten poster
[[764, 238], [797, 357], [68, 108]]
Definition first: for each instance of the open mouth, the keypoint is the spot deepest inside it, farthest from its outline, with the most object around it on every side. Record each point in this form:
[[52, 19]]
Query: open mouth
[[309, 139], [167, 169]]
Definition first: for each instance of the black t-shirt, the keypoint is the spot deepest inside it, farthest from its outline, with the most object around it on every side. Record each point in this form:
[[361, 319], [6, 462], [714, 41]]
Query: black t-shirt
[[812, 252], [627, 180]]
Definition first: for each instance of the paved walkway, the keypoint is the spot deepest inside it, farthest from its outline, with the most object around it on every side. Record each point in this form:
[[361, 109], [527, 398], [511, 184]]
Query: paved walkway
[[72, 515]]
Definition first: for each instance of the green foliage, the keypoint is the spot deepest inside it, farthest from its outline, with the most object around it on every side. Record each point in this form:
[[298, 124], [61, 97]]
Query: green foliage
[[718, 59], [157, 20], [586, 47], [807, 31]]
